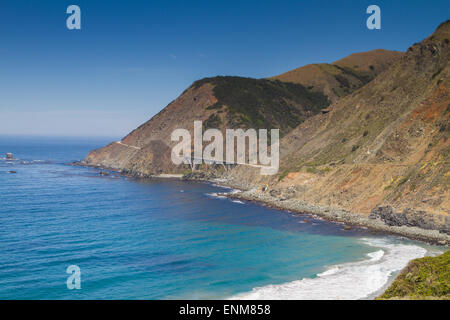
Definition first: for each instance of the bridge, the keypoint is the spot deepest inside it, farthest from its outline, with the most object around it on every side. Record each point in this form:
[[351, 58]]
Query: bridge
[[226, 164], [190, 160]]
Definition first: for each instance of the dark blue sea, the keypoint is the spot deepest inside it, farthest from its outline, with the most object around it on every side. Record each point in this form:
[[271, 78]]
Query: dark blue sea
[[166, 239]]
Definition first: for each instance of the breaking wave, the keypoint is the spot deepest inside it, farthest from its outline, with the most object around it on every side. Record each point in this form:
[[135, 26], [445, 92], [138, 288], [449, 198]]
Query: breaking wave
[[216, 195], [354, 280], [222, 195]]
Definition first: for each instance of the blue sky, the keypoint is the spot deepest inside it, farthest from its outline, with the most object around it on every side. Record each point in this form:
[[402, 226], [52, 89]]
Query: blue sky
[[131, 58]]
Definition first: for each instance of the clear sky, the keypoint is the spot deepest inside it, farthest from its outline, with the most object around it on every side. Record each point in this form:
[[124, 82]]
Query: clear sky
[[131, 58]]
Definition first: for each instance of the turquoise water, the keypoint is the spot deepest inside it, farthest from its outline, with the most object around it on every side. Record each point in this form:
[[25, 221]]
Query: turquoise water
[[156, 239]]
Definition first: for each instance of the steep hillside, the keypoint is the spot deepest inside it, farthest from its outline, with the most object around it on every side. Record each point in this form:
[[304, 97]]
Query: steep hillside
[[384, 149], [344, 76], [380, 150], [220, 102], [235, 102], [424, 278]]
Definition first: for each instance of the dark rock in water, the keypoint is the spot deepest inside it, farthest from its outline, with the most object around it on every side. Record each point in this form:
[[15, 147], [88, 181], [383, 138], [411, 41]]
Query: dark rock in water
[[411, 218], [346, 228], [9, 156], [103, 173], [12, 171]]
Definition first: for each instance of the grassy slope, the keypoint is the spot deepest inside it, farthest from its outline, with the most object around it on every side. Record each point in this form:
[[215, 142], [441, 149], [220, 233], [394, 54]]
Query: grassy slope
[[261, 103], [342, 77], [425, 278], [385, 144]]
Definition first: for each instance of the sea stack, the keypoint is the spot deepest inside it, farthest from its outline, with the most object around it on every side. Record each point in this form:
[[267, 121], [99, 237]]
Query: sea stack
[[9, 155]]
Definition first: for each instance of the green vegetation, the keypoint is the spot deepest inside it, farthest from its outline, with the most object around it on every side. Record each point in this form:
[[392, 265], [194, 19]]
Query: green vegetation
[[404, 180], [316, 170], [212, 122], [343, 81], [348, 78], [283, 175], [265, 104], [329, 68], [340, 92], [311, 170], [425, 278], [364, 77]]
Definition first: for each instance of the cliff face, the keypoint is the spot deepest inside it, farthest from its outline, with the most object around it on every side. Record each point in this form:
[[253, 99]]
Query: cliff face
[[234, 102], [146, 149], [383, 143], [386, 144], [221, 102]]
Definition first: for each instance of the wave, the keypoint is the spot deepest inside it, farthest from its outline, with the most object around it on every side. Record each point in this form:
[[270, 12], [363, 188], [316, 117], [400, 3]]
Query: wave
[[353, 280], [232, 190], [216, 195], [222, 195], [25, 162]]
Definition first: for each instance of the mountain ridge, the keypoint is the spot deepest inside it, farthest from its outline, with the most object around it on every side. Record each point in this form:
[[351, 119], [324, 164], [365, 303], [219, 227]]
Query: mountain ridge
[[383, 146], [343, 76], [296, 102]]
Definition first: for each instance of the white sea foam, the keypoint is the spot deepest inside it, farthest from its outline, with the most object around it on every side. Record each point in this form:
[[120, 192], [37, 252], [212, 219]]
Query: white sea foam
[[354, 280], [219, 186], [232, 190], [222, 195], [329, 272], [216, 195]]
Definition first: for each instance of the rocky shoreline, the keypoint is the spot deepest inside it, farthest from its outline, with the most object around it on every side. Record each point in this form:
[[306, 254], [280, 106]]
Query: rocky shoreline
[[336, 215], [375, 222]]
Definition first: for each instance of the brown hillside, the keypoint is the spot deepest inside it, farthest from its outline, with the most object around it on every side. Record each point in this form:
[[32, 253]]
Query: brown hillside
[[220, 102], [382, 149], [386, 144], [343, 76], [234, 102]]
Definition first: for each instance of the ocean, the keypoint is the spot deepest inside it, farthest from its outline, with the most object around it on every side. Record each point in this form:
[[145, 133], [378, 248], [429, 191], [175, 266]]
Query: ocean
[[168, 239]]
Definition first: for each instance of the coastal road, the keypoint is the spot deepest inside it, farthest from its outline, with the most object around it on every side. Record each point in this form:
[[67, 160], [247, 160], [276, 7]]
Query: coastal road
[[127, 145]]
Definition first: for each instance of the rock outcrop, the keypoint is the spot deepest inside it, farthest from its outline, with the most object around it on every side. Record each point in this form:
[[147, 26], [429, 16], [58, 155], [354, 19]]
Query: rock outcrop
[[386, 144], [411, 218]]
